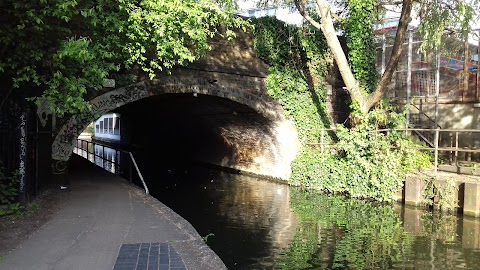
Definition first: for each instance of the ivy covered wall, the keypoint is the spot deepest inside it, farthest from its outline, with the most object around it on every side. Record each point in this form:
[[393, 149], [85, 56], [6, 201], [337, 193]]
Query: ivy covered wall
[[363, 163]]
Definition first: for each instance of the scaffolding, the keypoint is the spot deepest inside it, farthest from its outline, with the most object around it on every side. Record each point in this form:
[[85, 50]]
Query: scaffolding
[[447, 74]]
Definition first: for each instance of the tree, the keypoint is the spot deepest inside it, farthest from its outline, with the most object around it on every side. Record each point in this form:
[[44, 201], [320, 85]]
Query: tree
[[364, 101], [64, 49], [437, 15]]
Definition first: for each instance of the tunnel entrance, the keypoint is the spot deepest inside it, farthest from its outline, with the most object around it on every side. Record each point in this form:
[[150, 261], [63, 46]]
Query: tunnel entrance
[[177, 128], [239, 127]]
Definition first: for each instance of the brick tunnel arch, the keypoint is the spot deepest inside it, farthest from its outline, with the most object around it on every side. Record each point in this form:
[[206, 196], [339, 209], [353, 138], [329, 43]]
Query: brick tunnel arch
[[274, 159]]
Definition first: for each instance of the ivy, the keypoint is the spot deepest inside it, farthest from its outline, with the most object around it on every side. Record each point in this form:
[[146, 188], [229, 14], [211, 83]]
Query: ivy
[[360, 42], [364, 163], [299, 59], [8, 192], [441, 194]]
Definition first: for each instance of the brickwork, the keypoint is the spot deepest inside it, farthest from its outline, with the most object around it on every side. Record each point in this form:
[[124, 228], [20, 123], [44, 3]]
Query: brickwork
[[231, 71]]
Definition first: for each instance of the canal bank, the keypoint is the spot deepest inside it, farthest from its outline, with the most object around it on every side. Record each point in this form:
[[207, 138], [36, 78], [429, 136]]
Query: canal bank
[[106, 223], [461, 190]]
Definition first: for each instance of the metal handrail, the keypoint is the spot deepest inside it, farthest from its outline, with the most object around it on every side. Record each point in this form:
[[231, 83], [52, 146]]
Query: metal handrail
[[428, 117], [453, 149], [115, 163], [139, 173]]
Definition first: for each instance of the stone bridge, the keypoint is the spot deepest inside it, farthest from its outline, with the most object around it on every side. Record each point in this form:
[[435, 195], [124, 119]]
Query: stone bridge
[[215, 110]]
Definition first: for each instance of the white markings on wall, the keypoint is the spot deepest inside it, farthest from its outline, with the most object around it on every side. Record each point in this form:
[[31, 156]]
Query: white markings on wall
[[23, 151]]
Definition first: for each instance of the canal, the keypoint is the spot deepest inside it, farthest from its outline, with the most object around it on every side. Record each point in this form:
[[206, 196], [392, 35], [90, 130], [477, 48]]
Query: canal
[[252, 223]]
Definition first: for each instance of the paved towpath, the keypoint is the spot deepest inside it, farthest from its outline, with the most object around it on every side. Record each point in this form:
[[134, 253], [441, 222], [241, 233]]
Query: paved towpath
[[106, 223]]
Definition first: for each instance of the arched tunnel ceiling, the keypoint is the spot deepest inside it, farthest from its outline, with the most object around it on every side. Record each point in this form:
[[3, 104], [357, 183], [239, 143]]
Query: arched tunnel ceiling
[[186, 104], [179, 127]]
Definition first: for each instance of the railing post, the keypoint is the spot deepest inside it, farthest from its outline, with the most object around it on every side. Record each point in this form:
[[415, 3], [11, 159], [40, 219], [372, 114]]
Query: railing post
[[116, 161], [456, 147], [450, 156], [437, 131], [322, 140], [103, 156], [130, 170], [437, 86], [469, 154], [409, 77]]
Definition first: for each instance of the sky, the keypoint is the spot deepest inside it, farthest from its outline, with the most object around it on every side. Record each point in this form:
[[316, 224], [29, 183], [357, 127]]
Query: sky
[[293, 17]]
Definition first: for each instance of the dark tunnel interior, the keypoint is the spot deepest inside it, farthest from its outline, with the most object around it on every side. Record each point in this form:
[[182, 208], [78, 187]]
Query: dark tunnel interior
[[177, 128]]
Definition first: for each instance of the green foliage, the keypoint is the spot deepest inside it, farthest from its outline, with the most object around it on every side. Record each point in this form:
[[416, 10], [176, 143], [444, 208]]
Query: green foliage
[[276, 42], [447, 199], [341, 233], [437, 16], [365, 163], [441, 194], [65, 49], [291, 89], [299, 61], [8, 192], [360, 41]]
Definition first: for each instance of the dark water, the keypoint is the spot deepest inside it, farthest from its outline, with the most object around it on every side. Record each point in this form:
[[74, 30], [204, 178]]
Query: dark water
[[256, 224]]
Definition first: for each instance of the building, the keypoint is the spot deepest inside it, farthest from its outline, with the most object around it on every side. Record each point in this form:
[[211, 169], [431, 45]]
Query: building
[[107, 132]]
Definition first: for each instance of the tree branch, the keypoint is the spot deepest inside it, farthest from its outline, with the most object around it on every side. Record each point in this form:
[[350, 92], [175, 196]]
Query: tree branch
[[331, 37], [381, 88], [301, 9]]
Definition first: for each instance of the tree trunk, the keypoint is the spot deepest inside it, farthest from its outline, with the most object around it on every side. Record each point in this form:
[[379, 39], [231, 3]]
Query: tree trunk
[[466, 68], [353, 87], [394, 58], [328, 30]]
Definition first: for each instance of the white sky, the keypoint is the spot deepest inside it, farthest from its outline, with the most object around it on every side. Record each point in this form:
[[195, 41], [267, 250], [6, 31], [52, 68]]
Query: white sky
[[290, 18]]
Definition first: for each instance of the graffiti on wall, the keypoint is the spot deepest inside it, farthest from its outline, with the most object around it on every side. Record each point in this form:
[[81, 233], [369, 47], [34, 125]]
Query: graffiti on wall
[[23, 153], [65, 140]]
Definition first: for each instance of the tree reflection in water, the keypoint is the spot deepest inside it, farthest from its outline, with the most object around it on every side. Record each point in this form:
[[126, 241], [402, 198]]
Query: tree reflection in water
[[257, 224], [341, 233]]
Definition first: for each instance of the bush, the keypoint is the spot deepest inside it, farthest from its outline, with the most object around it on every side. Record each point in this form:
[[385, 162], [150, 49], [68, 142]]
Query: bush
[[366, 163], [8, 192]]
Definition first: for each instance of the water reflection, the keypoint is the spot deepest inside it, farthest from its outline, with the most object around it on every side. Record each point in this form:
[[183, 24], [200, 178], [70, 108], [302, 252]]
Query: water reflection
[[340, 233], [247, 222], [256, 224]]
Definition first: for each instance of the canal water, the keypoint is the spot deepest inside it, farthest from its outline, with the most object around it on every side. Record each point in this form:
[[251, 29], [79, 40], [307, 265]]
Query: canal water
[[256, 224]]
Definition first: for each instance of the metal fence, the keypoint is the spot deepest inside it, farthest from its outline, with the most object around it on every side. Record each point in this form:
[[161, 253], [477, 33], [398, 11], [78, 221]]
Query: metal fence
[[457, 147], [100, 155], [19, 146], [110, 159]]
